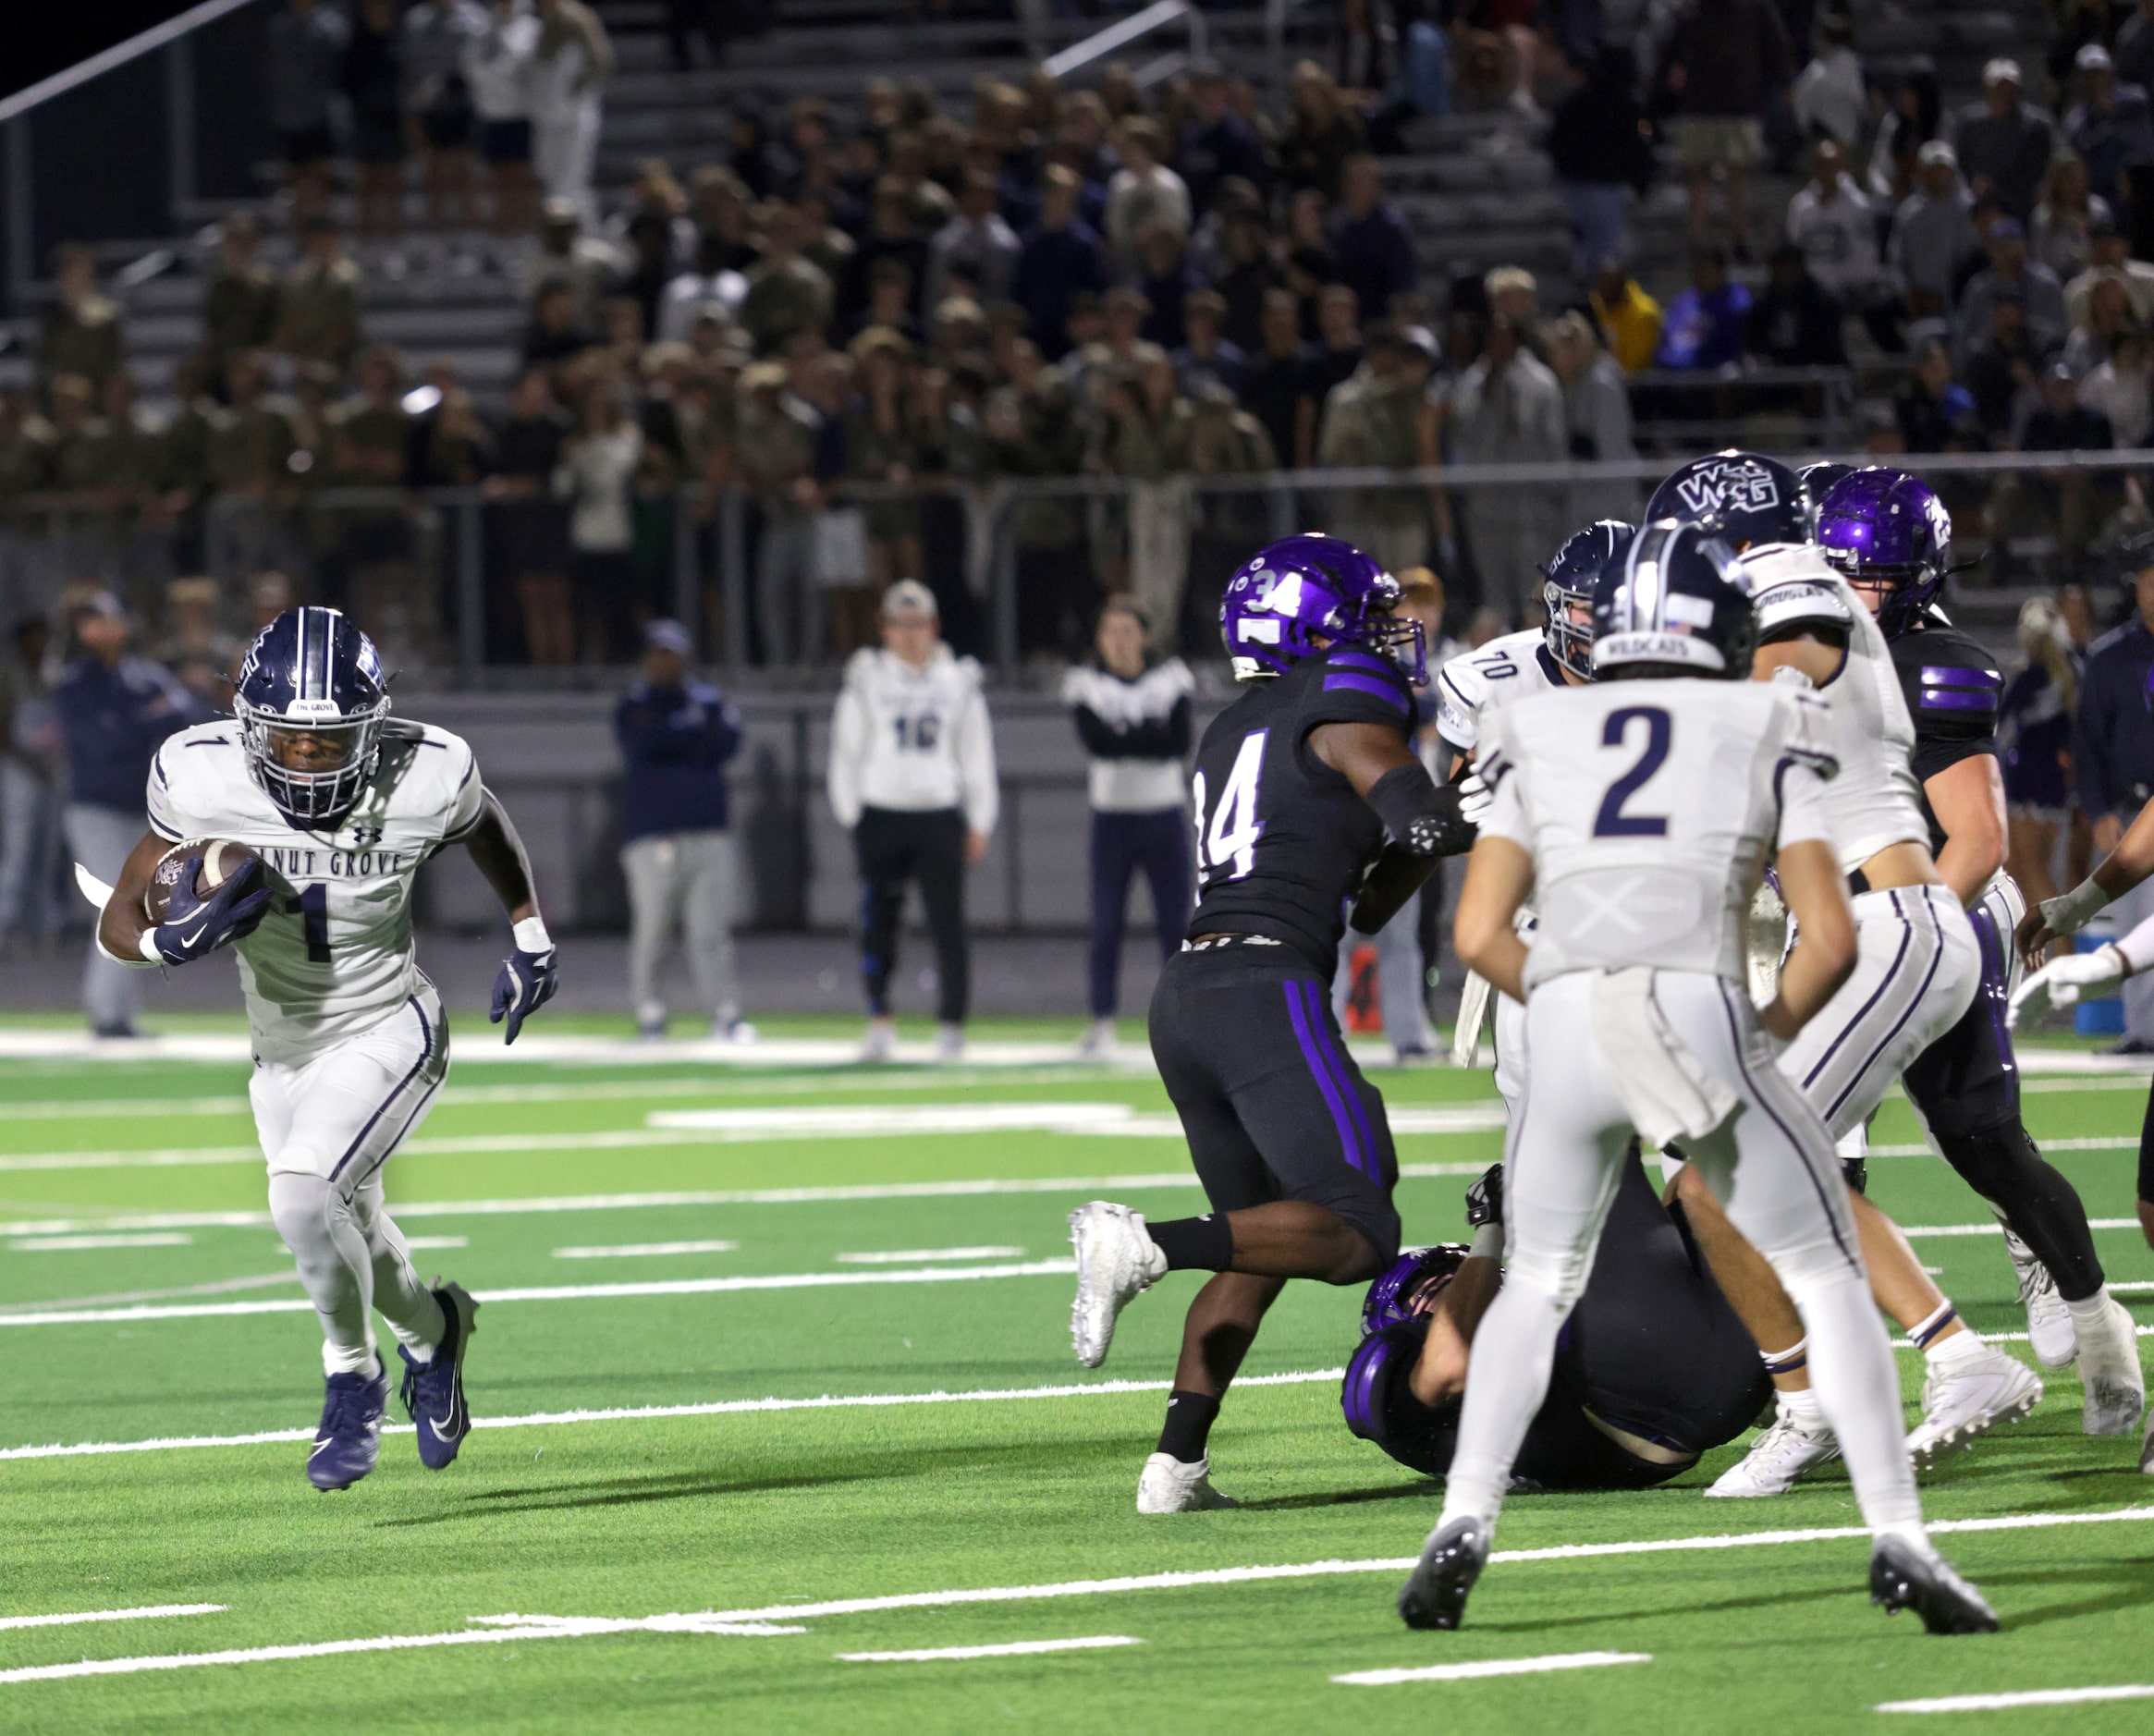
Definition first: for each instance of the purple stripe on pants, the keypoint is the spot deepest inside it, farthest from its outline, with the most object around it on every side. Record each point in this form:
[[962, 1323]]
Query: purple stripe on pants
[[1318, 1006], [1315, 1057]]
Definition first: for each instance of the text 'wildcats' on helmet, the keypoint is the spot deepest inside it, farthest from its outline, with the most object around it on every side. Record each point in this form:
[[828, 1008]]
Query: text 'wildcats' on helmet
[[1568, 594], [1677, 601], [1885, 529], [1292, 592], [1758, 500], [310, 700]]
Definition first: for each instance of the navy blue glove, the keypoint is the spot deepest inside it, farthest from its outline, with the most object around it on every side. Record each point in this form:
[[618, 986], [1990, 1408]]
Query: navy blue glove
[[194, 926], [527, 982]]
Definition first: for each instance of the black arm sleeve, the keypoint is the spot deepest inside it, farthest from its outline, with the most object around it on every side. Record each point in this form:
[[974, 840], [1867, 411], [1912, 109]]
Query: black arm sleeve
[[1422, 819], [1154, 739]]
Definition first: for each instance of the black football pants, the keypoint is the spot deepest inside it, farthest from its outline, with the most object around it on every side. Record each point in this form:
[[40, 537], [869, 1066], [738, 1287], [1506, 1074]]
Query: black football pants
[[893, 846]]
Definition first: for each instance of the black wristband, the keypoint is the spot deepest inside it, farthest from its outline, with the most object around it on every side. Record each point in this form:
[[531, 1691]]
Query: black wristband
[[1423, 820]]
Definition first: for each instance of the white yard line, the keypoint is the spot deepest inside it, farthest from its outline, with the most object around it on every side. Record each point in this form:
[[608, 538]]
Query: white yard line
[[645, 1413], [2009, 1701], [420, 1243], [1995, 1228], [1014, 1648], [639, 1250], [141, 1612], [572, 1292], [1491, 1666], [787, 1618], [548, 1630], [83, 1244], [907, 1256], [221, 1287]]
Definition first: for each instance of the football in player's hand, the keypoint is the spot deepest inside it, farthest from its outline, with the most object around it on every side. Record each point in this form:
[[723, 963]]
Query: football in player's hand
[[221, 860]]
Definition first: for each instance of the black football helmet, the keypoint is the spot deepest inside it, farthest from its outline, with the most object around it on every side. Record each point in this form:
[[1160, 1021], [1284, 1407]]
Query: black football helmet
[[311, 701], [1677, 599], [1758, 500], [1568, 594]]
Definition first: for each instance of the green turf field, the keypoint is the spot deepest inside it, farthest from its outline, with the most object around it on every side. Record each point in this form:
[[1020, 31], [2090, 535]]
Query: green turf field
[[145, 1301]]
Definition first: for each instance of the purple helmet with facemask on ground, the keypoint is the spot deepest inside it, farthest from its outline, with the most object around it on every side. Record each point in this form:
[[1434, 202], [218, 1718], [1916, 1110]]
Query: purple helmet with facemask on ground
[[1291, 594], [1882, 527]]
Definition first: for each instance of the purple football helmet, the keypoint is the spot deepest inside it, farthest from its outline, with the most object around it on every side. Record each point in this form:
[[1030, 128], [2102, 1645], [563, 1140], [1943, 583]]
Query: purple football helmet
[[1408, 1288], [1884, 527], [1306, 585]]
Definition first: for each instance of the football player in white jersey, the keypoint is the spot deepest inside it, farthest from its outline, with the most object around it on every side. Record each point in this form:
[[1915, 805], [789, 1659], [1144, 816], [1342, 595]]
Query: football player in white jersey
[[1916, 972], [341, 806], [1474, 688], [1640, 812]]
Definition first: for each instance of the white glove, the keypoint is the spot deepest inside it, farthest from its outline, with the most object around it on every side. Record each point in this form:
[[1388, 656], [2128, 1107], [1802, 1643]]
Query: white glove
[[2065, 982], [2068, 912], [1475, 799]]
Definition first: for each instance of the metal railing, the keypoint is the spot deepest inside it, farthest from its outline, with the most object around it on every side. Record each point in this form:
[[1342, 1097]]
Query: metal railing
[[1134, 28], [707, 559]]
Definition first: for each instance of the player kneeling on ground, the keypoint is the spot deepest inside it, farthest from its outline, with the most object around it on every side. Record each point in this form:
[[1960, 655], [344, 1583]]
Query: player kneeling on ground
[[1639, 814], [1297, 784], [1654, 1371], [329, 808]]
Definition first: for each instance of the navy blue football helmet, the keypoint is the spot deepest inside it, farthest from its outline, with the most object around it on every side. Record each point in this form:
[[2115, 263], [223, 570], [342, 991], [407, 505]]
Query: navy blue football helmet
[[1758, 500], [1568, 594], [311, 701], [1678, 599], [1882, 527]]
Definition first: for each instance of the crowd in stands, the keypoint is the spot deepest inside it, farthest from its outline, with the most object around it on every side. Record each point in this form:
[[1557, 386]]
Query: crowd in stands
[[852, 318]]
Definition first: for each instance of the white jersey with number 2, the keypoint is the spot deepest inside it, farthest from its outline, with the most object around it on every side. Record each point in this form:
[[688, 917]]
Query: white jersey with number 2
[[332, 957], [1651, 808]]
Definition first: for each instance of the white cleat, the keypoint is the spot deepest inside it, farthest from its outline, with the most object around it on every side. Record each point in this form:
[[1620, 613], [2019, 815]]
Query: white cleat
[[1116, 1262], [1170, 1486], [1964, 1399], [2049, 1322], [2147, 1451], [2109, 1369], [1097, 1043], [949, 1042], [1786, 1451], [880, 1044]]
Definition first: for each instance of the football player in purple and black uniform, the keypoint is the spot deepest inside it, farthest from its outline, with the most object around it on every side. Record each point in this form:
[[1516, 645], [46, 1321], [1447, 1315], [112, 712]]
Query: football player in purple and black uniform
[[1889, 533], [1307, 794]]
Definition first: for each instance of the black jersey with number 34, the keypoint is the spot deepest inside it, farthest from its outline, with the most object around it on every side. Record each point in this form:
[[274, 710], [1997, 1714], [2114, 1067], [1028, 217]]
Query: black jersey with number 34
[[1282, 840]]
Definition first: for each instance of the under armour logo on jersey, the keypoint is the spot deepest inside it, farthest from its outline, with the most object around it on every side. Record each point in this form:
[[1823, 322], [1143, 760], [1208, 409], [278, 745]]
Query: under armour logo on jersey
[[1736, 483], [365, 836]]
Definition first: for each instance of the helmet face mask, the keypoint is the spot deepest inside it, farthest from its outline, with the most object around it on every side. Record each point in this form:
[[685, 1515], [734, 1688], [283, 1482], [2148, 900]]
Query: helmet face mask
[[1567, 594], [311, 701], [1296, 598], [1411, 1286]]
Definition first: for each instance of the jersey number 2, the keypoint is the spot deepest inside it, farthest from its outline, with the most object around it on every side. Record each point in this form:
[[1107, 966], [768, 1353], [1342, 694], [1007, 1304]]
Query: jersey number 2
[[314, 915], [1612, 821], [1225, 838]]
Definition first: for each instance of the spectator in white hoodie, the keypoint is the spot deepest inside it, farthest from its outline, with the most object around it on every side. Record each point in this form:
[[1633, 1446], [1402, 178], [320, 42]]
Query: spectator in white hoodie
[[1827, 96]]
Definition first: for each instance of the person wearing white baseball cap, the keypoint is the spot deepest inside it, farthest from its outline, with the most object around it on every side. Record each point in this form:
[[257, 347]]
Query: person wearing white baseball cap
[[2111, 126], [1933, 234], [911, 776], [2004, 143]]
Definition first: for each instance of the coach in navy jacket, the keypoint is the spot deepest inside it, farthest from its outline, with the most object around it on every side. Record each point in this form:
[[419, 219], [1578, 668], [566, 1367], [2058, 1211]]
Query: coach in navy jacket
[[676, 847], [2112, 751]]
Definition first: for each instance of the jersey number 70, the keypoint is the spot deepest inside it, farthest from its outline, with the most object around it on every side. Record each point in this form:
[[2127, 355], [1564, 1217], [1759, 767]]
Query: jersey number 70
[[1225, 840]]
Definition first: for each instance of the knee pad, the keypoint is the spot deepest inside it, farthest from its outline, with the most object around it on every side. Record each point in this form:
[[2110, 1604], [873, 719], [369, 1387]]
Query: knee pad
[[1559, 1275], [305, 1208]]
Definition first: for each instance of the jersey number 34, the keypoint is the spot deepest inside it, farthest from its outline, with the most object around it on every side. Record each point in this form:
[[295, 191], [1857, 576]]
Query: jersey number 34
[[1226, 838]]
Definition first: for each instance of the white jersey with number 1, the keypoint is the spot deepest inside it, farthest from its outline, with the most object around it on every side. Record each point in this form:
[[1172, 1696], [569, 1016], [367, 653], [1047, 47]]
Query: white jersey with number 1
[[333, 958]]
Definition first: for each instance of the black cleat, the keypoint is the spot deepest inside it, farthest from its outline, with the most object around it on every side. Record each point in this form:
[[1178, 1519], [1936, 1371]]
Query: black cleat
[[1903, 1579], [1434, 1596]]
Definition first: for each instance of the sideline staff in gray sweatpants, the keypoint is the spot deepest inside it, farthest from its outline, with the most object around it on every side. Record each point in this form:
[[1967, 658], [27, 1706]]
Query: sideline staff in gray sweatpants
[[676, 736]]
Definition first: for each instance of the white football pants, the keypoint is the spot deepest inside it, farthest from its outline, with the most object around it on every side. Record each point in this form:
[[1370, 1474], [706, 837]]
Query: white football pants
[[326, 1127], [1770, 1164], [1917, 966]]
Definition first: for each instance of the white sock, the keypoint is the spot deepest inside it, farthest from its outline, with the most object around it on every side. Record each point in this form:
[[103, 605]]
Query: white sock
[[1858, 1387], [1515, 1349], [2091, 1311], [1802, 1404], [1958, 1348]]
